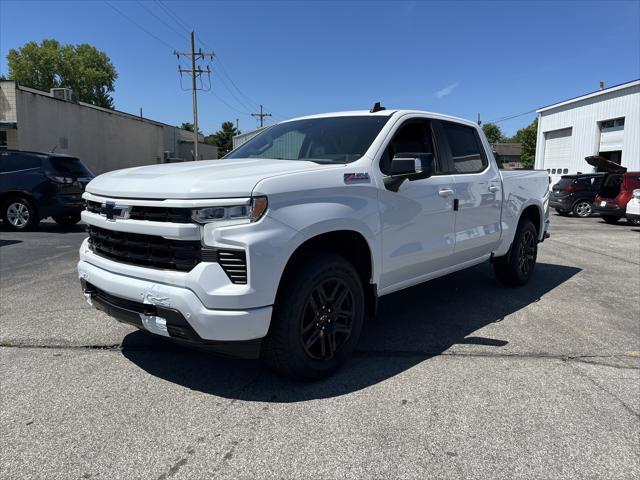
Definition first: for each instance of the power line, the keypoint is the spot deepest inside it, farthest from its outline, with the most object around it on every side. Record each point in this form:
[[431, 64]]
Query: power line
[[509, 117], [244, 112], [182, 24], [180, 34], [121, 13]]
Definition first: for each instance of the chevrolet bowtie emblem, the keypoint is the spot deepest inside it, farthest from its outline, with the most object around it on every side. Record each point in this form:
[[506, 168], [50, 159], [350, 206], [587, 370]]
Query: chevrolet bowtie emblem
[[112, 211]]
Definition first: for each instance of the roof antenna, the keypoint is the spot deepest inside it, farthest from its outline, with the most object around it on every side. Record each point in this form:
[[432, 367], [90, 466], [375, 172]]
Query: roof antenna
[[376, 108]]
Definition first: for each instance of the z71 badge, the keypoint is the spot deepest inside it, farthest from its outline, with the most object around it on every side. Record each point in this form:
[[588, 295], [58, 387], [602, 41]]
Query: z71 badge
[[361, 177]]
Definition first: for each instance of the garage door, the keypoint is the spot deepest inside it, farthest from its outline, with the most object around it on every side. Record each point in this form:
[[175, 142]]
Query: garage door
[[557, 149]]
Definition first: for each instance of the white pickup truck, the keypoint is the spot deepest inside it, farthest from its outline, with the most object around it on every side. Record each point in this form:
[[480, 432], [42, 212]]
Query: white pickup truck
[[281, 249]]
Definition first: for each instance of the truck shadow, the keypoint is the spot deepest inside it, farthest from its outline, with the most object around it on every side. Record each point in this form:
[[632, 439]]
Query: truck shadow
[[411, 327]]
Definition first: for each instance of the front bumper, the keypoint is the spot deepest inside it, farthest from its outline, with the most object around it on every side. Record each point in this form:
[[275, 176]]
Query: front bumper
[[168, 310]]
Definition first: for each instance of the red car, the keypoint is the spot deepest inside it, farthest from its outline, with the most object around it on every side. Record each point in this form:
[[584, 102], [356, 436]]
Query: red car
[[615, 191]]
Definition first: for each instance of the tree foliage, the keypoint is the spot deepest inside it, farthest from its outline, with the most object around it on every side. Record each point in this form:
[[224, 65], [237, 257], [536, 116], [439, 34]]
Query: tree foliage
[[223, 138], [527, 137], [493, 133], [189, 127], [83, 68]]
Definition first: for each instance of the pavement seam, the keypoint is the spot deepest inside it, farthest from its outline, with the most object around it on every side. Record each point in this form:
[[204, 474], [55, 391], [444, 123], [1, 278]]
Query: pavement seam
[[361, 353], [603, 389], [625, 260]]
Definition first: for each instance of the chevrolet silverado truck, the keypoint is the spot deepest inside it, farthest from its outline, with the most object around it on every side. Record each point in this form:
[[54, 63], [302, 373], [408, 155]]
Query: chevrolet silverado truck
[[282, 249]]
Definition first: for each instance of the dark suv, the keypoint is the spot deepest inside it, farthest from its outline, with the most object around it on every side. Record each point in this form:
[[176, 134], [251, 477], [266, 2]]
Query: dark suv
[[575, 193], [37, 185]]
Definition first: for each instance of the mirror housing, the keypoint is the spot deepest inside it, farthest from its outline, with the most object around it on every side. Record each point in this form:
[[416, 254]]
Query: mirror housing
[[409, 166]]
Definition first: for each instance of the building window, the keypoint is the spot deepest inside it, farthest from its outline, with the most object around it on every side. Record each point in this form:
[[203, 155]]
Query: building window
[[616, 122], [3, 138]]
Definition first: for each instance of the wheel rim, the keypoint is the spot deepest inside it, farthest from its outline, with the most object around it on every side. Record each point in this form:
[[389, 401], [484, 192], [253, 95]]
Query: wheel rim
[[327, 319], [583, 209], [527, 252], [18, 214]]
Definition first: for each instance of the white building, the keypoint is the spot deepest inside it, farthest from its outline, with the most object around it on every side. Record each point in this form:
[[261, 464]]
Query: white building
[[605, 123], [103, 139]]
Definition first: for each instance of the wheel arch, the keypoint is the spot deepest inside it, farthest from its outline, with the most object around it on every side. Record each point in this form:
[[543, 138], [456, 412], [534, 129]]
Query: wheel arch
[[350, 244], [4, 196]]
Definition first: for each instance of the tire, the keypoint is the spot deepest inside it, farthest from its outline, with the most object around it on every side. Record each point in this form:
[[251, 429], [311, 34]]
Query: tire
[[634, 221], [582, 209], [67, 220], [516, 268], [19, 214], [610, 219], [562, 213], [309, 339]]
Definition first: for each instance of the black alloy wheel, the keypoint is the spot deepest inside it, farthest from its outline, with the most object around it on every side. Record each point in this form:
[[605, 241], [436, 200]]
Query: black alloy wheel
[[327, 319]]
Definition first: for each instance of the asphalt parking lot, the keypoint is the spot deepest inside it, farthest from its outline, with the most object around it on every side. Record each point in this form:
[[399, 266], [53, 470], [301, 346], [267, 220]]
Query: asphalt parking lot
[[456, 378]]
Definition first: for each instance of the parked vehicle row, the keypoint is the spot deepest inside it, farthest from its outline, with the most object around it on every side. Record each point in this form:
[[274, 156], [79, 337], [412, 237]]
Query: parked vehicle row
[[35, 185], [609, 194]]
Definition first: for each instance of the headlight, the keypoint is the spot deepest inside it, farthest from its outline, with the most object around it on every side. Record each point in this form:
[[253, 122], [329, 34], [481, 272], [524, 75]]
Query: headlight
[[232, 214]]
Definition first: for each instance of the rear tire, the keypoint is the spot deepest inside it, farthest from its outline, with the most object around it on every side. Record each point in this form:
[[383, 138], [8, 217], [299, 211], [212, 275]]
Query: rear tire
[[18, 214], [67, 220], [582, 209], [610, 219], [516, 268], [317, 318]]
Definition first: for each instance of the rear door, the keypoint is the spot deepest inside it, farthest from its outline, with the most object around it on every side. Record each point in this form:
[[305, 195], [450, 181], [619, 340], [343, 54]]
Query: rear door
[[19, 171], [478, 191]]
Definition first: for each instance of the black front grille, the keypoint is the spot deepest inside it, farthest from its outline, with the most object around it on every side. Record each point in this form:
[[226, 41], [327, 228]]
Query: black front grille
[[153, 214], [158, 252], [145, 250]]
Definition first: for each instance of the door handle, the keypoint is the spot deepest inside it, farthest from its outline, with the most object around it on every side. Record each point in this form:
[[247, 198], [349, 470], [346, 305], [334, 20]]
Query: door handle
[[445, 192], [494, 188]]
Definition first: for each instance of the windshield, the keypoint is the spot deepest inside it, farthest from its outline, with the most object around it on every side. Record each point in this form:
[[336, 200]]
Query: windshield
[[320, 140], [70, 166]]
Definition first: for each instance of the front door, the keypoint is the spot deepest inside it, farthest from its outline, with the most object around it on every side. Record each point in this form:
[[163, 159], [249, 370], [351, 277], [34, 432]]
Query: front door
[[418, 219]]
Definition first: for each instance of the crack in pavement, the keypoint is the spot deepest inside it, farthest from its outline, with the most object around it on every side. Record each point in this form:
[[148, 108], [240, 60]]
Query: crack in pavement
[[576, 357]]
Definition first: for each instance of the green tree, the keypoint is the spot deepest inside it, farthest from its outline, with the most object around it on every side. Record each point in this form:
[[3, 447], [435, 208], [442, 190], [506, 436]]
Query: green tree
[[527, 137], [83, 68], [493, 133], [223, 138], [188, 126]]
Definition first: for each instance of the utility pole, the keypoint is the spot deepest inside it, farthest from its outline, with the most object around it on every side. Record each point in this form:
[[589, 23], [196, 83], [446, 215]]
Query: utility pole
[[237, 124], [195, 71], [479, 121], [261, 116]]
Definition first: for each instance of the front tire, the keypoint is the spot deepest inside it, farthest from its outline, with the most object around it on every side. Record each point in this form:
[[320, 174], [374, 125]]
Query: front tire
[[19, 214], [582, 209], [317, 318], [516, 268], [610, 219]]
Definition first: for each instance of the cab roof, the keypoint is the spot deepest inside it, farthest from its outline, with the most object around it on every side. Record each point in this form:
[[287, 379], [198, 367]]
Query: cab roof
[[386, 113]]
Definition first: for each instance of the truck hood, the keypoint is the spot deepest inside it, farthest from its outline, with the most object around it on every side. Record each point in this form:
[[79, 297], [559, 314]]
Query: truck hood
[[190, 180]]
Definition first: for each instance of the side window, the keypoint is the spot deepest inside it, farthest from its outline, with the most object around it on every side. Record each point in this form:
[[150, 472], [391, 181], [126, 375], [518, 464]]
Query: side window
[[12, 162], [466, 152], [414, 136]]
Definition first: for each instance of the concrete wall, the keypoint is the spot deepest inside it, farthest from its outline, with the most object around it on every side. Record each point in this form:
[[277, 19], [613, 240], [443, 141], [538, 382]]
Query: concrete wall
[[104, 139], [583, 116]]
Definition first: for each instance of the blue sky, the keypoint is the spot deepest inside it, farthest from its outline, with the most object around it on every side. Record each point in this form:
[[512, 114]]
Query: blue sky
[[496, 58]]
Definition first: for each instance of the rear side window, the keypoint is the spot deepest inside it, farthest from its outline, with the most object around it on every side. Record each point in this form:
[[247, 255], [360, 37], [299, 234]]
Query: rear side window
[[15, 162], [69, 166], [466, 152]]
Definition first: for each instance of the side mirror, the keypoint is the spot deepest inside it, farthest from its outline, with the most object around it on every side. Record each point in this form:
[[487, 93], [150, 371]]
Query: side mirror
[[409, 166]]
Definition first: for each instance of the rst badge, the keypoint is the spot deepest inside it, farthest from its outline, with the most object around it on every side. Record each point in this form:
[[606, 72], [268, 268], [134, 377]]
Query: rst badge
[[360, 177]]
